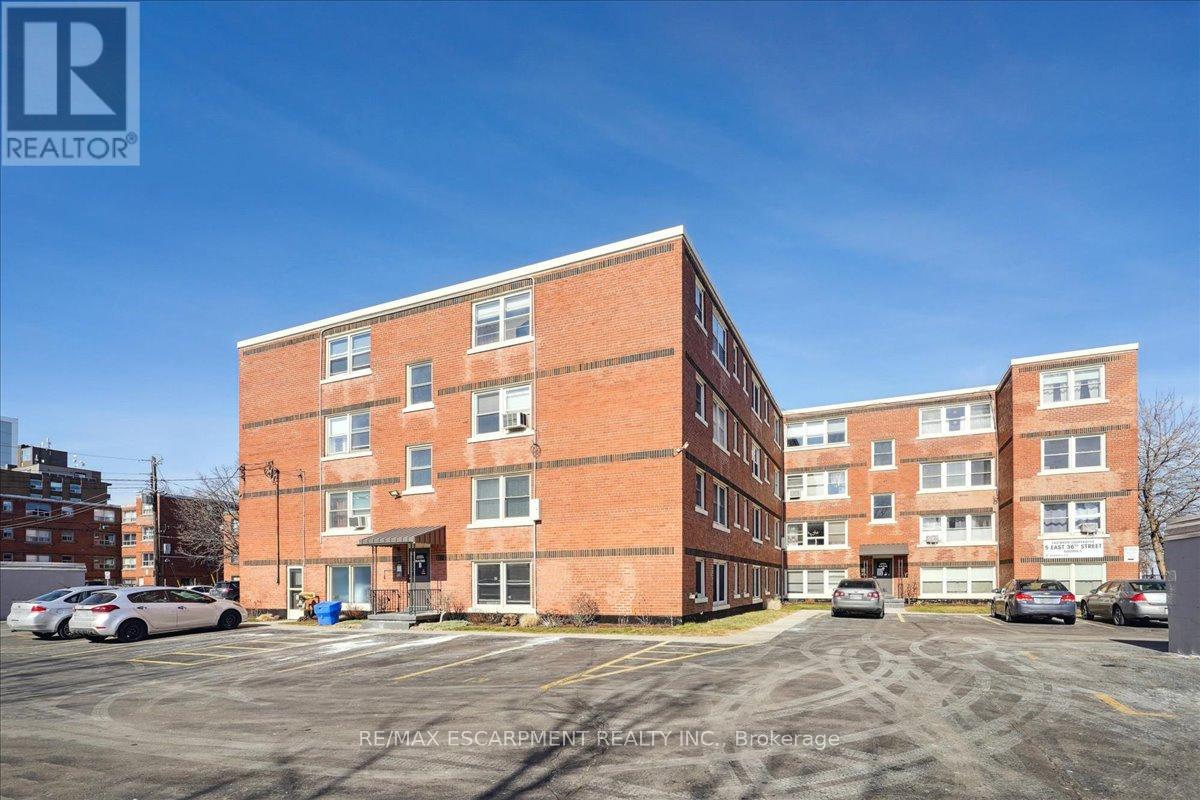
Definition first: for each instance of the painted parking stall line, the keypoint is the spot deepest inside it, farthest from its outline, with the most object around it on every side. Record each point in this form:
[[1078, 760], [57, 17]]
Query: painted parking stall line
[[655, 655], [424, 641], [462, 662]]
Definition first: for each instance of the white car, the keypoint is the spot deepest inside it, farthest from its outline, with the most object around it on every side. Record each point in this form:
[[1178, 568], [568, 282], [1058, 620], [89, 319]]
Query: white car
[[48, 614], [202, 588], [131, 613]]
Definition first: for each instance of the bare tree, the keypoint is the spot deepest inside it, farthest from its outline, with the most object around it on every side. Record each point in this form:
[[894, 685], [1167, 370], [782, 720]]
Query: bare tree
[[206, 517], [1168, 468]]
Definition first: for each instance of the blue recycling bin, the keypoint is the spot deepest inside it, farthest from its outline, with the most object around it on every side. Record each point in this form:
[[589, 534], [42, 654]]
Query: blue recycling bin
[[328, 612]]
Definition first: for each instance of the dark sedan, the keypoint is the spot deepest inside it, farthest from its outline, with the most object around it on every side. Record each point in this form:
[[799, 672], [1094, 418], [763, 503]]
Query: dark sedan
[[1028, 599]]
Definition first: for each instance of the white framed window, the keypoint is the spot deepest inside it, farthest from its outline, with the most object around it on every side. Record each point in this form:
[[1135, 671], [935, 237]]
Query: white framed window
[[957, 581], [348, 433], [351, 584], [147, 534], [420, 467], [497, 412], [817, 485], [501, 498], [1064, 387], [720, 425], [56, 486], [757, 593], [1081, 579], [349, 510], [698, 300], [35, 536], [503, 320], [755, 461], [720, 334], [1073, 518], [828, 533], [76, 488], [813, 582], [503, 584], [883, 454], [756, 517], [699, 405], [700, 482], [756, 396], [128, 539], [957, 419], [720, 505], [129, 562], [777, 425], [35, 484], [777, 483], [698, 582], [816, 433], [737, 509], [957, 529], [147, 559], [420, 384], [720, 585], [956, 475], [99, 514], [883, 507], [776, 535], [35, 557], [349, 354], [1074, 454]]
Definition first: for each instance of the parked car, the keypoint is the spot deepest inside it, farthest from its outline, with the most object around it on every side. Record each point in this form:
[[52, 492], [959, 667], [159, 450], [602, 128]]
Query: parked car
[[858, 596], [202, 588], [131, 613], [48, 615], [228, 590], [1019, 599], [1127, 601]]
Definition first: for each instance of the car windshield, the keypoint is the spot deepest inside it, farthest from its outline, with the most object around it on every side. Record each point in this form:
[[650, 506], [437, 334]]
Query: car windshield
[[1041, 586], [1149, 586], [48, 596], [98, 598], [856, 585]]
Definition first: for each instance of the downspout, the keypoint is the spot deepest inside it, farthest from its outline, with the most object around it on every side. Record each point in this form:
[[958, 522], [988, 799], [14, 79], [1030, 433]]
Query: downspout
[[535, 451]]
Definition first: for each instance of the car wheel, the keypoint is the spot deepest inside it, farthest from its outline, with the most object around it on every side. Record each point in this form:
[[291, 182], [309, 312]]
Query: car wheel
[[833, 612], [93, 638], [880, 614], [1087, 612], [1069, 620], [43, 635], [229, 620], [64, 629], [131, 630], [1118, 616]]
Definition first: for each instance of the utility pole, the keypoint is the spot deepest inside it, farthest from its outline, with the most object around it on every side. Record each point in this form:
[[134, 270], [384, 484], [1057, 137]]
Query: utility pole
[[272, 473], [157, 521]]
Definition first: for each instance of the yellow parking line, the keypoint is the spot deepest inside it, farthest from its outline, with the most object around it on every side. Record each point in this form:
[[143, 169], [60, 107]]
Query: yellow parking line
[[598, 667], [169, 663], [467, 660], [1124, 709], [1030, 656], [607, 669], [199, 653]]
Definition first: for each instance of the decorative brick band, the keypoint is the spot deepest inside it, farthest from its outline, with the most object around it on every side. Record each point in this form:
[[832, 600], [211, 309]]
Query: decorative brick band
[[611, 261], [948, 511], [809, 567], [383, 401], [712, 387], [940, 459], [1071, 362], [1058, 498], [826, 467], [640, 455], [827, 518], [697, 553], [598, 552], [1098, 560], [953, 563], [329, 487], [1076, 432], [586, 366], [725, 479]]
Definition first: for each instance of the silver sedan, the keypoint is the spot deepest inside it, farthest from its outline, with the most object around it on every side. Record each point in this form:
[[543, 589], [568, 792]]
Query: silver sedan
[[857, 596], [1128, 601], [1029, 598], [48, 615]]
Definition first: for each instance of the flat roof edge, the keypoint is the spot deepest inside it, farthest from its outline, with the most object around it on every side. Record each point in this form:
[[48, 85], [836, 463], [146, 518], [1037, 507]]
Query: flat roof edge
[[898, 399], [1091, 351]]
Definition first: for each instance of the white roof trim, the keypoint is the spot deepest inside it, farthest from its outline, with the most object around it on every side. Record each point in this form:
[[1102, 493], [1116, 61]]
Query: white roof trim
[[467, 287], [899, 399], [1092, 351]]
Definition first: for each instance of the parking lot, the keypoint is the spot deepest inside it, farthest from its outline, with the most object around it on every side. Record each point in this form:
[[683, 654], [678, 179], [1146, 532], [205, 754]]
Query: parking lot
[[920, 705]]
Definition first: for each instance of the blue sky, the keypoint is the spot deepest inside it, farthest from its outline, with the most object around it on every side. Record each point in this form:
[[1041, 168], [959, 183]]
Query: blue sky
[[891, 199]]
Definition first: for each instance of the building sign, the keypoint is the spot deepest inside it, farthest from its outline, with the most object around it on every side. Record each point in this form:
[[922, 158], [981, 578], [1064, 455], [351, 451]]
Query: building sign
[[1131, 554], [1073, 548]]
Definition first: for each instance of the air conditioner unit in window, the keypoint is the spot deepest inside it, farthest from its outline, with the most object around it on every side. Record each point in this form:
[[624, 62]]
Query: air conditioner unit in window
[[358, 523], [933, 538], [516, 420], [1089, 528]]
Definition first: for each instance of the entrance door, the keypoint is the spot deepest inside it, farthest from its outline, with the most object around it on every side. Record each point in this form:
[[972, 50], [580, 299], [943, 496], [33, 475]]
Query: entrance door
[[881, 571], [418, 579], [295, 585]]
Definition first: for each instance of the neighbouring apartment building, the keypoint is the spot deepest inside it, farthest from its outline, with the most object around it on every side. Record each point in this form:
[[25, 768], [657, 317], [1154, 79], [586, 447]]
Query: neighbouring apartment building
[[8, 441], [591, 427], [147, 537], [947, 495], [53, 512]]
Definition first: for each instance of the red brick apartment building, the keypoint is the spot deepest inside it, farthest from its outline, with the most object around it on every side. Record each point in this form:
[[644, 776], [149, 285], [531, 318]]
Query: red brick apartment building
[[143, 540], [948, 494], [591, 426], [53, 512]]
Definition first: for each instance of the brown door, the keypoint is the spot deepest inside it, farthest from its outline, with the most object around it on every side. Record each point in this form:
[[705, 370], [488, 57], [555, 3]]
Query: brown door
[[881, 571]]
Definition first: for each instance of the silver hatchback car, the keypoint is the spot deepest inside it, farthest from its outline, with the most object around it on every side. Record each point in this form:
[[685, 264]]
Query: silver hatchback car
[[857, 596], [131, 613], [1128, 601], [49, 614], [1028, 598]]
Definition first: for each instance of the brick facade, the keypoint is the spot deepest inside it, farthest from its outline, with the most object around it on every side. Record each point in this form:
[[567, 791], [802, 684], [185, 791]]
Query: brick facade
[[140, 529]]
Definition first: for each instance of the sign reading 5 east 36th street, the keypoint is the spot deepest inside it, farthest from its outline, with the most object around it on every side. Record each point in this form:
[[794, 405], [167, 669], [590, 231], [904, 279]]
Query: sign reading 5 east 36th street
[[1073, 548]]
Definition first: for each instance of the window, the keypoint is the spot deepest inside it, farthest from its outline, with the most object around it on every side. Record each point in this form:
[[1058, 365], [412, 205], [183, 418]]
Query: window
[[348, 355], [35, 484], [1082, 517], [756, 524], [720, 505], [1078, 385], [883, 508], [76, 488], [756, 397], [348, 510], [957, 529], [720, 423], [420, 467], [720, 332], [698, 300], [128, 539], [719, 583], [56, 486], [129, 562], [950, 475], [505, 497], [351, 584], [7, 533], [68, 511], [777, 483], [776, 536], [7, 556], [147, 534], [43, 510], [960, 581], [105, 539], [883, 454], [35, 536], [1081, 579], [128, 517], [778, 427], [497, 410], [817, 432], [817, 485], [420, 384], [956, 419], [69, 536], [6, 506], [1073, 453], [503, 319], [813, 582], [699, 404], [700, 492], [35, 557], [147, 559], [699, 580], [104, 515], [755, 461], [736, 437], [348, 433], [503, 583], [818, 533], [757, 582]]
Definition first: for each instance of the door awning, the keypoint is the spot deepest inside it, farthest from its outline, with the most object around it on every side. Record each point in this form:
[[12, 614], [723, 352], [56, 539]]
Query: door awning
[[399, 535], [899, 549]]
